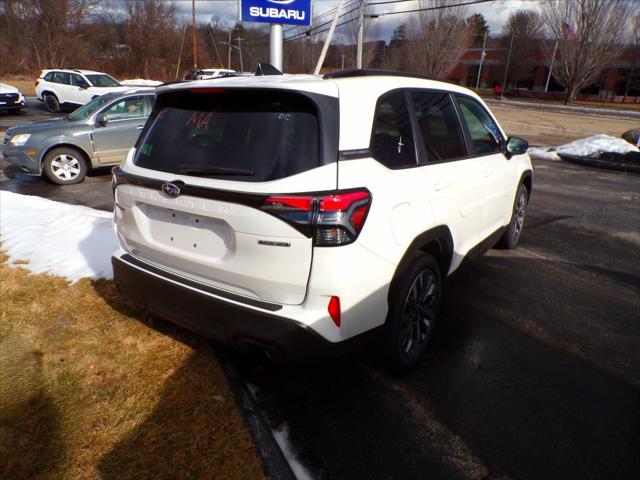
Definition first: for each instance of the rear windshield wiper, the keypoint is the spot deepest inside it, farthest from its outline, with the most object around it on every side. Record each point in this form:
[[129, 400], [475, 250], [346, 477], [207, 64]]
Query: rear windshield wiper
[[199, 170]]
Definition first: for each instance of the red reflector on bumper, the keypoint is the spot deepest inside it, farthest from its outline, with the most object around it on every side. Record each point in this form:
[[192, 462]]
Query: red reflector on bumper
[[334, 310]]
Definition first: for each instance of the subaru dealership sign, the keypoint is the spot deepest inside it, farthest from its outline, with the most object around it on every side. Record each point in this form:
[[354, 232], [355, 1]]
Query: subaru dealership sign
[[291, 12]]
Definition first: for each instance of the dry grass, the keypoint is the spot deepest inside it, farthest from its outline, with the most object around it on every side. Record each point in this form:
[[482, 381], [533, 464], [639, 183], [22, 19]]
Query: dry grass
[[26, 85], [87, 390]]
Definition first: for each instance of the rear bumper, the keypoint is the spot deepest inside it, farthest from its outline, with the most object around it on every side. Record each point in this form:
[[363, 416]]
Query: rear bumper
[[228, 322]]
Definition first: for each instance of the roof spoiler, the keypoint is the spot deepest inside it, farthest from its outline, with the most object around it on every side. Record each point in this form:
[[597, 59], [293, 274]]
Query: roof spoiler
[[266, 69]]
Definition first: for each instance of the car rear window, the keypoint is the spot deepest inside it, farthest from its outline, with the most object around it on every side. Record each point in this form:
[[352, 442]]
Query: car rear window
[[253, 136]]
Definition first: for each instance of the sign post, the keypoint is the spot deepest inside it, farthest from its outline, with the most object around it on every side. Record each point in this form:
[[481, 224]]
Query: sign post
[[275, 46], [277, 13]]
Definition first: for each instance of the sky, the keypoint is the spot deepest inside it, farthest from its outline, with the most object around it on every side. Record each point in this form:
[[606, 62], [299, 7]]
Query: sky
[[496, 12]]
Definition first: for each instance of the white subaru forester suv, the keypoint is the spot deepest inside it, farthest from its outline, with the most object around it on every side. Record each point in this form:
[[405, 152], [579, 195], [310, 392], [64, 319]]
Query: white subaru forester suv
[[293, 214], [60, 89]]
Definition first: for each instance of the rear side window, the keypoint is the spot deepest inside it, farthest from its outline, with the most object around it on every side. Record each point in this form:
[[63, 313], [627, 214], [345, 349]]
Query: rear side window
[[78, 81], [484, 133], [439, 126], [392, 143], [253, 136], [126, 109], [61, 77]]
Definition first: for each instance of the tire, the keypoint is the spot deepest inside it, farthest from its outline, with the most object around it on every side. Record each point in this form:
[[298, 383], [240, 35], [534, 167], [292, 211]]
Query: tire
[[512, 234], [65, 166], [414, 305], [51, 102]]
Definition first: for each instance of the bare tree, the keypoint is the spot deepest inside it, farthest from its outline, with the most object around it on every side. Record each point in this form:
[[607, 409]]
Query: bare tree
[[587, 32], [46, 32], [349, 31], [525, 26], [436, 38], [394, 54], [301, 55], [150, 55], [632, 75]]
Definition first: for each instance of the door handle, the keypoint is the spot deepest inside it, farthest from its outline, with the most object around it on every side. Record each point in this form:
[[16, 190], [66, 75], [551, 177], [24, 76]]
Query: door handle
[[441, 185], [488, 172]]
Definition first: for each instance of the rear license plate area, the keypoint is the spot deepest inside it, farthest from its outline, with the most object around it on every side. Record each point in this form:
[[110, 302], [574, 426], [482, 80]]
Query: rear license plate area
[[189, 233]]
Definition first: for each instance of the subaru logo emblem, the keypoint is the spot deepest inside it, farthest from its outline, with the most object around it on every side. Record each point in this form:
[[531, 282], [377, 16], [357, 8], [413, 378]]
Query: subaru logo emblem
[[173, 189]]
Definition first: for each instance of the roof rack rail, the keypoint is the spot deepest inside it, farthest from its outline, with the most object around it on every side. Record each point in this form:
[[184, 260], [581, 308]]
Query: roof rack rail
[[370, 72]]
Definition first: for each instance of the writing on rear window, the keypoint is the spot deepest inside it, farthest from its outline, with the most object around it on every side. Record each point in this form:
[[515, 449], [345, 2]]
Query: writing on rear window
[[253, 136], [199, 119]]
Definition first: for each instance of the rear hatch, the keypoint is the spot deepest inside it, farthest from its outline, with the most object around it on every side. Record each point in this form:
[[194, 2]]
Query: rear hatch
[[207, 193]]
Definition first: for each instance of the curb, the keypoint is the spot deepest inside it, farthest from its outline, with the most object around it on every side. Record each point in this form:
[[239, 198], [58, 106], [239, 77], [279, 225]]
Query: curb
[[601, 164], [566, 109], [275, 463]]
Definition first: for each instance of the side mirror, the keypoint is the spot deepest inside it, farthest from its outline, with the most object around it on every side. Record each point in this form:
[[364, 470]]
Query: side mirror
[[516, 146], [84, 86], [101, 120]]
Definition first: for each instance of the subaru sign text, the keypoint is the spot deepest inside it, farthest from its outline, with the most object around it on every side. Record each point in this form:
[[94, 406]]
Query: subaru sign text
[[291, 12]]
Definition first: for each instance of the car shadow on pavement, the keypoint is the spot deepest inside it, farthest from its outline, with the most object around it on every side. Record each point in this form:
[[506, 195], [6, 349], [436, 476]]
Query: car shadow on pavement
[[510, 387], [538, 390], [30, 443], [183, 437], [194, 430]]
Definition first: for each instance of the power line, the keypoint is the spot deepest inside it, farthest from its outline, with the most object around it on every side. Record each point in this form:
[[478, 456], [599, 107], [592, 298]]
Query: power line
[[424, 9]]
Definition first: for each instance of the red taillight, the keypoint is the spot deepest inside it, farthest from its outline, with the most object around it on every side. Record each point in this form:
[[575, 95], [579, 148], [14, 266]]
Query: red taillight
[[357, 218], [341, 201], [206, 90], [334, 310], [286, 201], [332, 220]]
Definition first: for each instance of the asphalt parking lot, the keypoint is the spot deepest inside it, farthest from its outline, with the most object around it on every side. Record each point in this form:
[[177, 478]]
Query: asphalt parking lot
[[534, 371]]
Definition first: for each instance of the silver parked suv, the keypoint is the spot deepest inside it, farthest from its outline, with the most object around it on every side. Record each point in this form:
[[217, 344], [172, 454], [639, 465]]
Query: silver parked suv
[[298, 213], [96, 135]]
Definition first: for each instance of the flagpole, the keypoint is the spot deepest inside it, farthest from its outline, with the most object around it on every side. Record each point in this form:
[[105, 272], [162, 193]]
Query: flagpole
[[482, 54], [506, 70], [553, 57]]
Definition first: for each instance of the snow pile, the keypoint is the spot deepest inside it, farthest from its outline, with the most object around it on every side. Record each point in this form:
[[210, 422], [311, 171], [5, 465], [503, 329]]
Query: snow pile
[[67, 240], [585, 147], [140, 82]]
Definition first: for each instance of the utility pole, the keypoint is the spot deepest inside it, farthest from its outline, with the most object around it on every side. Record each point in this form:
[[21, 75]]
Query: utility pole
[[193, 31], [360, 34], [553, 57], [229, 51], [184, 31], [482, 55], [506, 69], [239, 40]]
